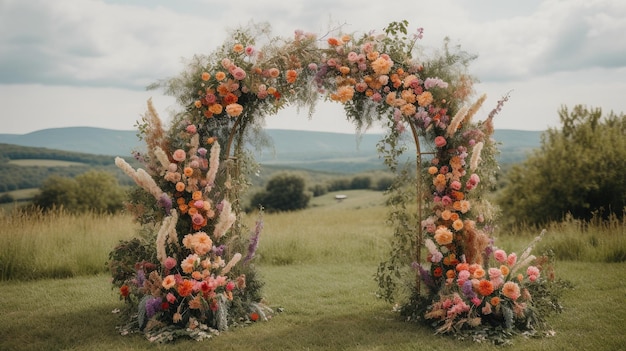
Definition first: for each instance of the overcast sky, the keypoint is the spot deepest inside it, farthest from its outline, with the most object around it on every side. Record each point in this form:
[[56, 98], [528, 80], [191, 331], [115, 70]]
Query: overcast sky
[[87, 62]]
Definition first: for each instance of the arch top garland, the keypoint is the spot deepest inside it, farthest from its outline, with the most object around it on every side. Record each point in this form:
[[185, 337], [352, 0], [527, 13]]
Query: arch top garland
[[196, 277]]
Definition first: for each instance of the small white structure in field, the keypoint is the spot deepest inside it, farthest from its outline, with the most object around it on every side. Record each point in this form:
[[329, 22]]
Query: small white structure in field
[[339, 198]]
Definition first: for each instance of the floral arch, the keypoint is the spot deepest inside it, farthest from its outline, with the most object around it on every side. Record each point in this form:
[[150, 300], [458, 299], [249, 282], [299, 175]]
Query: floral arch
[[191, 274]]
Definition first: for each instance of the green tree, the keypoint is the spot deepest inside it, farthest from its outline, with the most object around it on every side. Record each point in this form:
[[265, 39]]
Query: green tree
[[578, 169], [91, 191], [283, 192], [361, 182]]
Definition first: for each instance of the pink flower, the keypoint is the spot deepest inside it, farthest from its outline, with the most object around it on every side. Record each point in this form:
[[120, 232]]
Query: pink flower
[[512, 259], [440, 141], [455, 185], [179, 155], [191, 129], [239, 74], [494, 273], [230, 286], [474, 179], [171, 298], [170, 263], [250, 50], [500, 255], [197, 219], [532, 270]]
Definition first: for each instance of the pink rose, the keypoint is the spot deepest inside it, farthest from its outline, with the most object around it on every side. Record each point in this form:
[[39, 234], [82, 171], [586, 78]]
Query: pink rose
[[500, 255], [239, 73], [179, 155]]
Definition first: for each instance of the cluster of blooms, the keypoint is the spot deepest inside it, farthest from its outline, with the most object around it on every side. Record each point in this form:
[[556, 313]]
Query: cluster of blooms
[[192, 286], [358, 72], [245, 79], [472, 295]]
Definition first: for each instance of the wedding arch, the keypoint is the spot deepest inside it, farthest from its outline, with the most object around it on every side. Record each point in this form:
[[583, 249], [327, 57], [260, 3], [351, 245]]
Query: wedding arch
[[191, 273]]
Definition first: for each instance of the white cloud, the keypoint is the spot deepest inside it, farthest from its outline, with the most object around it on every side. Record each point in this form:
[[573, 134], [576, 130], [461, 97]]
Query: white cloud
[[89, 60]]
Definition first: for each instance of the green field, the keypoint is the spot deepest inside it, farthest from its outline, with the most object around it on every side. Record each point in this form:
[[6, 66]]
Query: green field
[[318, 267], [22, 194]]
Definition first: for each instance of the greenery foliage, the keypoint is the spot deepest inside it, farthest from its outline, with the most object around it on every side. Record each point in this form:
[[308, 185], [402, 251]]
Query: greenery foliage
[[283, 192], [91, 191], [578, 170]]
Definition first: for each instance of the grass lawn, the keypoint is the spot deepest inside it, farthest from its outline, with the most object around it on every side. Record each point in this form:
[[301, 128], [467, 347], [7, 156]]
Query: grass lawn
[[326, 307]]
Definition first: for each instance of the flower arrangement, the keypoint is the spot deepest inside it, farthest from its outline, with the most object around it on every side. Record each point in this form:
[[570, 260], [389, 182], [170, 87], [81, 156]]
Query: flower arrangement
[[189, 283], [186, 279], [495, 294]]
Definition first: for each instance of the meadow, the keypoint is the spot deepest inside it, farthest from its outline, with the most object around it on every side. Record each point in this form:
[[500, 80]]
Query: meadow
[[318, 266]]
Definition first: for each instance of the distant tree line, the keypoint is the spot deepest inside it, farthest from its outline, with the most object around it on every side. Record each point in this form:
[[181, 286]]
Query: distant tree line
[[16, 177], [288, 191]]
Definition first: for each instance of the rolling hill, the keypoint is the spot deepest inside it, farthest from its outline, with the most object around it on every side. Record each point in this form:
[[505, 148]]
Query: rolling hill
[[324, 151]]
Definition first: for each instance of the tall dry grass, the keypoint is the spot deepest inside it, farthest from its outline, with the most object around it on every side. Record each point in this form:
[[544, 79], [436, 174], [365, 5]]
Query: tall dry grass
[[58, 244]]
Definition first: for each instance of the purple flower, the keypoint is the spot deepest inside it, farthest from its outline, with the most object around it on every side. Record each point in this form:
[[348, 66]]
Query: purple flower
[[468, 290], [141, 278], [153, 306], [218, 250], [254, 241], [165, 202], [425, 275]]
